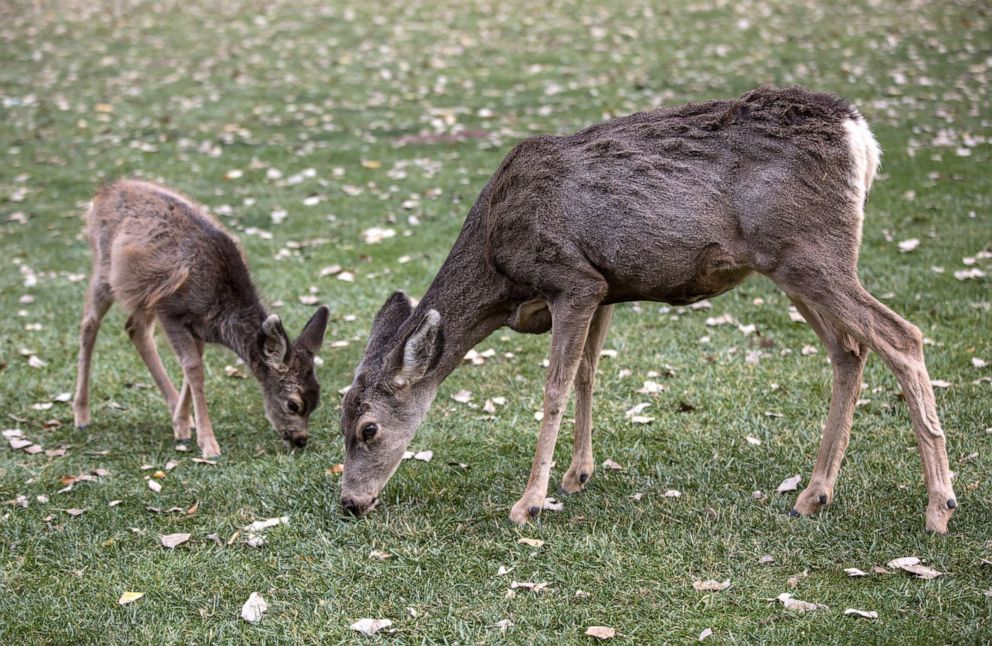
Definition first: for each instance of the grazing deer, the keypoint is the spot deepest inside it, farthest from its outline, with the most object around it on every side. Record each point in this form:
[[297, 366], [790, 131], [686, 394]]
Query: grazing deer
[[164, 257], [671, 205]]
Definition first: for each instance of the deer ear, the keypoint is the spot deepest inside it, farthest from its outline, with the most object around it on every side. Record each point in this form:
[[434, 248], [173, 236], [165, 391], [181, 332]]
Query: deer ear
[[275, 343], [312, 336], [417, 353], [391, 316]]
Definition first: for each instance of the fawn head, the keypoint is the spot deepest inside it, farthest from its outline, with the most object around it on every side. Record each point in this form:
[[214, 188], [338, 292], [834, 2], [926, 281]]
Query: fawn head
[[290, 391]]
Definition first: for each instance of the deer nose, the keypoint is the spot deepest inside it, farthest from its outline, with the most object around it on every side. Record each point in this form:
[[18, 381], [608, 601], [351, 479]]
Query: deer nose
[[356, 507]]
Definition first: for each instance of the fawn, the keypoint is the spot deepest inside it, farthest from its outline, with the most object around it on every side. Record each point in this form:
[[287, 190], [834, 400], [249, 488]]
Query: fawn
[[164, 257], [672, 205]]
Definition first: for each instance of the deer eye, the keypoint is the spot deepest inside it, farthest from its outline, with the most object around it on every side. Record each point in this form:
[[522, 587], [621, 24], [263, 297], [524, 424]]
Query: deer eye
[[369, 431], [293, 407]]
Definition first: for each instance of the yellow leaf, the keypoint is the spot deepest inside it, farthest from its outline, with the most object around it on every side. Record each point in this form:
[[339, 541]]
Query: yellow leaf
[[130, 597]]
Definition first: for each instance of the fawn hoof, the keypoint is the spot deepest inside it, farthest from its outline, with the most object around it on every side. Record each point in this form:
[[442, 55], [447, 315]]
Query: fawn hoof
[[527, 509], [82, 427]]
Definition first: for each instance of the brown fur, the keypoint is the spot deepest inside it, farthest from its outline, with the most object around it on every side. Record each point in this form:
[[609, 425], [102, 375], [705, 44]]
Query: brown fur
[[671, 205], [165, 258]]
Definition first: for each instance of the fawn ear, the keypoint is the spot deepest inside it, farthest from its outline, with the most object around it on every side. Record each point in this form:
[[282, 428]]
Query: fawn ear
[[275, 343], [411, 359], [312, 336]]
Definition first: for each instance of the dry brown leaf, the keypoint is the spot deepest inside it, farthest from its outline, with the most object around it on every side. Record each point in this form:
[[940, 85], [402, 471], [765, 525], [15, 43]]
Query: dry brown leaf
[[611, 465], [174, 540], [601, 632], [789, 484], [710, 585], [795, 604], [533, 542]]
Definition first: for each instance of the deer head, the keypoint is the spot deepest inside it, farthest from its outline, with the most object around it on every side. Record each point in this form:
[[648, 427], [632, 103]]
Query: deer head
[[388, 398]]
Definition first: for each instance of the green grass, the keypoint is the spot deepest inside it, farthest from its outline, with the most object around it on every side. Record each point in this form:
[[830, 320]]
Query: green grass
[[300, 85]]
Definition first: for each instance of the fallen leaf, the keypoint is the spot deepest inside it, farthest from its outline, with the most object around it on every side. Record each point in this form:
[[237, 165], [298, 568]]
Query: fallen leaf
[[259, 525], [533, 542], [867, 614], [370, 627], [155, 485], [795, 604], [651, 388], [853, 571], [909, 245], [601, 632], [551, 504], [254, 608], [75, 512], [336, 470], [794, 580], [424, 456], [766, 559], [673, 493], [379, 554], [710, 585], [611, 465], [174, 540], [130, 597], [789, 484], [527, 585], [706, 633], [462, 396]]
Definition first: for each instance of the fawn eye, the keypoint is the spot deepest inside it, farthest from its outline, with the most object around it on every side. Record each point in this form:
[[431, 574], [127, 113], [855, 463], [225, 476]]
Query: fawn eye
[[293, 407], [369, 431]]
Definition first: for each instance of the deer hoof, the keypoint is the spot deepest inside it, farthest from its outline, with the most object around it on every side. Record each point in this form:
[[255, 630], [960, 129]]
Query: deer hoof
[[811, 500], [939, 514], [527, 509]]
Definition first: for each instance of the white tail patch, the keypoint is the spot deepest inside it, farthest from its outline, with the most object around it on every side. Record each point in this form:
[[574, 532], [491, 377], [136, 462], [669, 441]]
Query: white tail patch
[[866, 154]]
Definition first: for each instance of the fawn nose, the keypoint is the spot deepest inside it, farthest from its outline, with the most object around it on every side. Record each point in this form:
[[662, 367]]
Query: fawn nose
[[295, 440]]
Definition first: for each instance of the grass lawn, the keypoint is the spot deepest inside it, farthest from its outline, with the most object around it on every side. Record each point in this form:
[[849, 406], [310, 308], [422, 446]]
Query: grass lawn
[[335, 119]]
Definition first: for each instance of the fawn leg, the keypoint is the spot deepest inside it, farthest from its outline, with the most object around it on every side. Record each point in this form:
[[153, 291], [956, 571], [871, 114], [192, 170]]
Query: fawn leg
[[141, 329], [582, 462], [189, 350], [98, 300]]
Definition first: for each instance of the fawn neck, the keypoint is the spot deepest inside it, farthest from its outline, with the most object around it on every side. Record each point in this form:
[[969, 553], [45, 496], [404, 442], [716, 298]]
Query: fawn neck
[[239, 328]]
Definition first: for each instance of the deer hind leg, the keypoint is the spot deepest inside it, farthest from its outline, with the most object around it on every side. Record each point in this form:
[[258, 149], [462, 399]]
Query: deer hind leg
[[570, 318], [190, 353], [900, 344], [847, 357], [98, 300], [582, 462], [140, 328]]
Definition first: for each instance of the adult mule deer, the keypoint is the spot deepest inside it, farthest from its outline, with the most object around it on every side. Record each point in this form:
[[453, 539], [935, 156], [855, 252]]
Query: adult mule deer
[[671, 205], [165, 258]]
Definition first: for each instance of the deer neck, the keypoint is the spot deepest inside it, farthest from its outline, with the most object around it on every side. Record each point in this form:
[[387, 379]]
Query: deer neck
[[472, 298]]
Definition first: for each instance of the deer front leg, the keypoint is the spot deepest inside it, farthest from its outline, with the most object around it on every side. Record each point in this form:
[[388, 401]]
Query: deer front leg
[[582, 461], [570, 326], [847, 356], [182, 425]]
